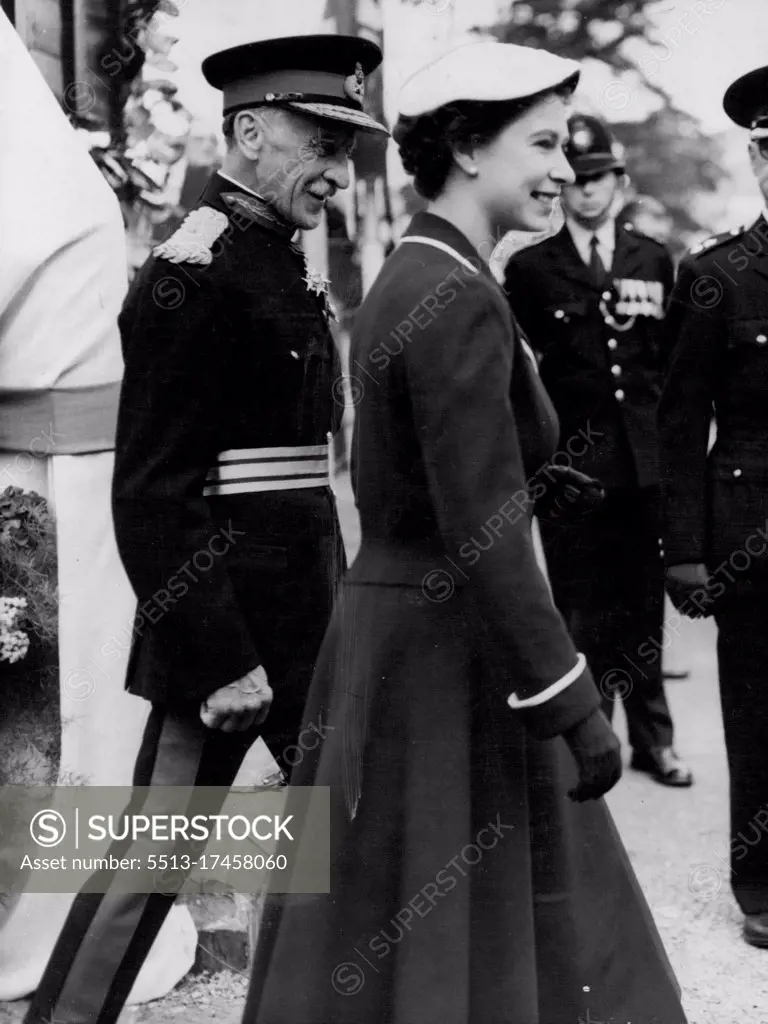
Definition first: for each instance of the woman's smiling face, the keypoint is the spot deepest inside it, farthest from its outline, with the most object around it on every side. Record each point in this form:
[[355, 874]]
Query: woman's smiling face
[[522, 171]]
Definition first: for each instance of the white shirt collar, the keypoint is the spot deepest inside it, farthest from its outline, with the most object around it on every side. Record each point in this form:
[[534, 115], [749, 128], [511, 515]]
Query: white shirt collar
[[606, 240], [228, 177]]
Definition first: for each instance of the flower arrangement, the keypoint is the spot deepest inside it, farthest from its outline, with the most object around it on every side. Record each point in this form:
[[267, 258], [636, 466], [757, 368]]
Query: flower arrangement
[[14, 643], [30, 729], [28, 564]]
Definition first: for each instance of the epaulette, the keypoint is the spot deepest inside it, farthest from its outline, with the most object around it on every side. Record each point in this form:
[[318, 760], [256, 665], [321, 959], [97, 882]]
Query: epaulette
[[192, 242], [715, 240], [630, 227]]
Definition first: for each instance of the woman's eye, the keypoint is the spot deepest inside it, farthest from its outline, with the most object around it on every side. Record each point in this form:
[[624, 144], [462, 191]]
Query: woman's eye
[[548, 144]]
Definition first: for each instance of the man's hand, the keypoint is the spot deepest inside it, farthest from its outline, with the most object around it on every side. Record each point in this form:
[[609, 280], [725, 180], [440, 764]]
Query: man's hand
[[688, 589], [596, 749], [240, 705]]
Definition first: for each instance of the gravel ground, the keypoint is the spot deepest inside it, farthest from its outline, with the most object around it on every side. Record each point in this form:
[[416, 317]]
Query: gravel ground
[[678, 842]]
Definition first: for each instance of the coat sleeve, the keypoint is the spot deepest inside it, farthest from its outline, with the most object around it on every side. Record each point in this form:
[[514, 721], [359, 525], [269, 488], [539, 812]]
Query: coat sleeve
[[471, 451], [693, 329], [176, 358]]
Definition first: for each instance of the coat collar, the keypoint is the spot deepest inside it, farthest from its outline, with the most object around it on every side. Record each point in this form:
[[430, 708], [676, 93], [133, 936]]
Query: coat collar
[[755, 245], [219, 193], [429, 225]]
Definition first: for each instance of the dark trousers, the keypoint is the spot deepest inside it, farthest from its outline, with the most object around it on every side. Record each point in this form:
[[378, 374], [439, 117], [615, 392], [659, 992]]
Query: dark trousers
[[107, 936], [742, 652], [608, 582]]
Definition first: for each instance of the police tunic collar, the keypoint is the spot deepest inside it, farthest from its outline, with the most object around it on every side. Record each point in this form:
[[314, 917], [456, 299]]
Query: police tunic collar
[[606, 240]]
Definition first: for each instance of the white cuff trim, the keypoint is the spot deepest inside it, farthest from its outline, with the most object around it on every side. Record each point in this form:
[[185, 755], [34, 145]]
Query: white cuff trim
[[553, 690]]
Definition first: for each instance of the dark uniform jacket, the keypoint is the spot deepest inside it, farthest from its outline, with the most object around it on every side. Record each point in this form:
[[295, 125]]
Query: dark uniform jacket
[[451, 434], [716, 503], [602, 366], [225, 348]]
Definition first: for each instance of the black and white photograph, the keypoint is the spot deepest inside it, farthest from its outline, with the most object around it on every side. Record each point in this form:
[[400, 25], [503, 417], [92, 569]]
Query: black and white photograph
[[383, 512]]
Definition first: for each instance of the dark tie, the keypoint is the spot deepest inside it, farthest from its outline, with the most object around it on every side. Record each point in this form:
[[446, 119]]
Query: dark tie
[[596, 265]]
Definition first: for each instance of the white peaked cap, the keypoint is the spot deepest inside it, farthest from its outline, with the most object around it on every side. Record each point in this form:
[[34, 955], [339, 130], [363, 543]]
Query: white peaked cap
[[488, 71], [63, 269]]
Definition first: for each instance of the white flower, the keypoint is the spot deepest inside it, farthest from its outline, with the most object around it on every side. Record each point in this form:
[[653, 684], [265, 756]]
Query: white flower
[[14, 643]]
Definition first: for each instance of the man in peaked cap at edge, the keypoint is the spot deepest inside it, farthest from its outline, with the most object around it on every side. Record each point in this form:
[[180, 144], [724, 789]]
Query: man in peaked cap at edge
[[715, 502], [591, 299], [224, 516]]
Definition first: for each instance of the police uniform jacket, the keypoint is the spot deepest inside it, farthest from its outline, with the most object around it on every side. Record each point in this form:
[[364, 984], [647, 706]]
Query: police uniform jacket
[[450, 434], [226, 349], [600, 348], [716, 502]]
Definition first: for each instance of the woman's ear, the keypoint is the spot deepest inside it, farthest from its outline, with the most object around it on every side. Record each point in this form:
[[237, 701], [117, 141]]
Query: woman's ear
[[465, 157]]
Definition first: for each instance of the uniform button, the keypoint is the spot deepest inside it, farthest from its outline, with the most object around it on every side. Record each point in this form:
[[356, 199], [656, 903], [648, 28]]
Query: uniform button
[[737, 472], [559, 314], [294, 353], [616, 370], [761, 339], [619, 395], [612, 344], [606, 295]]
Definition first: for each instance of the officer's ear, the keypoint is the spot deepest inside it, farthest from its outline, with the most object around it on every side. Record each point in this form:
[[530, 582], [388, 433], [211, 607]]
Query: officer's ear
[[248, 131]]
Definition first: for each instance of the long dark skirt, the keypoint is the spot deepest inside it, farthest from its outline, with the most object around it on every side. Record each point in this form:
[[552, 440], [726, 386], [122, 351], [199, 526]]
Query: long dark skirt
[[466, 887]]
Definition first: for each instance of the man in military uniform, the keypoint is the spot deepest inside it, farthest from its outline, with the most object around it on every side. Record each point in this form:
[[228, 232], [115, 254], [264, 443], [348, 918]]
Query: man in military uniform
[[224, 516], [591, 300], [715, 502]]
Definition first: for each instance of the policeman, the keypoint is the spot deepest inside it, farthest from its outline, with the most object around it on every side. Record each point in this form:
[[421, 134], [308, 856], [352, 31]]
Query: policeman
[[591, 300], [224, 517], [716, 502]]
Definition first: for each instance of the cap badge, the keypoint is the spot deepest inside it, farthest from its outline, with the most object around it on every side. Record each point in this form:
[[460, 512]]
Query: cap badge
[[582, 139], [354, 85]]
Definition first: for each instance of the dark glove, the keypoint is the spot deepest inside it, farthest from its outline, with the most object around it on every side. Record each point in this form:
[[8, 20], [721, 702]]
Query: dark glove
[[570, 495], [688, 589], [596, 750]]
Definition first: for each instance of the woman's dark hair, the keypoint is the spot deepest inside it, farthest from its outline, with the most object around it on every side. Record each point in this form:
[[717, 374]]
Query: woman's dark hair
[[426, 143]]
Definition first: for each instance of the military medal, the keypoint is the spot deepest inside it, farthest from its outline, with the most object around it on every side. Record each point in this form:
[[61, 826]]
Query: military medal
[[319, 285]]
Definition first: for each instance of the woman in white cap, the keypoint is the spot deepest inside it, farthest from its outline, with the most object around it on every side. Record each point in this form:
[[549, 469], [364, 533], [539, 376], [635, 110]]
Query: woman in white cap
[[466, 887]]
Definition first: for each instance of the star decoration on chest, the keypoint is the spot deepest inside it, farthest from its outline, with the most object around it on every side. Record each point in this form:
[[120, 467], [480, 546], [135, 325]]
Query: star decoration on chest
[[319, 285]]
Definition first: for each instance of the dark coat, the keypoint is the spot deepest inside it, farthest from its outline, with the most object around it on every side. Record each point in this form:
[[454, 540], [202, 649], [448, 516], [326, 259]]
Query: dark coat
[[465, 887], [603, 381], [451, 433], [234, 354], [716, 502]]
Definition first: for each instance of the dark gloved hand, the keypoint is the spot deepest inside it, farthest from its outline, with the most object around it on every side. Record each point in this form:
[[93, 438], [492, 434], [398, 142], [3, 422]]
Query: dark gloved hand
[[688, 589], [570, 495], [596, 749]]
